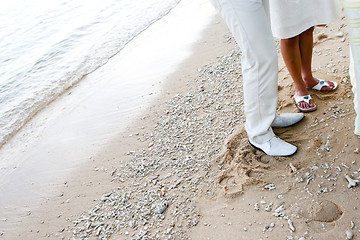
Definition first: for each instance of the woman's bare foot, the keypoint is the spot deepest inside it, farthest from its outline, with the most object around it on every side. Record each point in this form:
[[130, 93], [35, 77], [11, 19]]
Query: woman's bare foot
[[303, 104], [304, 99]]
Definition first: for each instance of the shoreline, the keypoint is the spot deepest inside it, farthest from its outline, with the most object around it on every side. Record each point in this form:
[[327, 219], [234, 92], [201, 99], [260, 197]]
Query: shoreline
[[185, 170], [45, 189], [56, 76], [104, 168]]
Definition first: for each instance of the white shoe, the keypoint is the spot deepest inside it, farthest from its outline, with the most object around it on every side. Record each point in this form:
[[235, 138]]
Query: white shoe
[[276, 147], [287, 119]]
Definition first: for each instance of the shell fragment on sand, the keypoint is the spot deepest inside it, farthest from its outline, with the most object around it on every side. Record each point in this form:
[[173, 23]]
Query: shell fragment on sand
[[291, 226], [352, 182]]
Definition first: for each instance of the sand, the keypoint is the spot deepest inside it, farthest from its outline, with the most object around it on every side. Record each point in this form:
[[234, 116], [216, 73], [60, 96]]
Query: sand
[[184, 168]]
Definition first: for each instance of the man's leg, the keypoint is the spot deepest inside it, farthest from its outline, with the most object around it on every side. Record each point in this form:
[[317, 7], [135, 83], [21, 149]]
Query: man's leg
[[249, 24]]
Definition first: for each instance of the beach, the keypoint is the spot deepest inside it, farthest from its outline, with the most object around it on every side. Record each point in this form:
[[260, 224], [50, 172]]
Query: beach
[[181, 167]]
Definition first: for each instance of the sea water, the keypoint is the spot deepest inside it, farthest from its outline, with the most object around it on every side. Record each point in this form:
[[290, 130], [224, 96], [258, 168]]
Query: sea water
[[48, 46], [86, 122]]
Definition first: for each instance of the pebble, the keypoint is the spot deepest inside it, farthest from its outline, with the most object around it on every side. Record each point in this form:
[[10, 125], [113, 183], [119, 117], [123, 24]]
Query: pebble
[[270, 186], [349, 234], [162, 207], [339, 34], [268, 207]]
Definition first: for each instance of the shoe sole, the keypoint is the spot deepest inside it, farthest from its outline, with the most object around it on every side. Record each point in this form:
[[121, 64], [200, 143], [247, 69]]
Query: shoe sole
[[306, 110]]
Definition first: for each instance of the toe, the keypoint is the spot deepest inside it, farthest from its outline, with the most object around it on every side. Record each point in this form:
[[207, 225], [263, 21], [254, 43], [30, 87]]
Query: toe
[[303, 105], [311, 103], [332, 86]]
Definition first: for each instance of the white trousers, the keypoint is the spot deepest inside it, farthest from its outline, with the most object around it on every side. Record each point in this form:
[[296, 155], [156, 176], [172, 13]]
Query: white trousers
[[248, 20], [352, 13]]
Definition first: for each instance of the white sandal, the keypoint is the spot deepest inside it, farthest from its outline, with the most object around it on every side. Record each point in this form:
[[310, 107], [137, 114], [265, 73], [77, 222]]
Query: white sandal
[[323, 83], [306, 99]]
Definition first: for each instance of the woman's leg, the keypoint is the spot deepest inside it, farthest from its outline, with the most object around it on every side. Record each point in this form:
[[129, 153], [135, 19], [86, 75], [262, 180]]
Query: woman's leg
[[306, 51], [290, 49]]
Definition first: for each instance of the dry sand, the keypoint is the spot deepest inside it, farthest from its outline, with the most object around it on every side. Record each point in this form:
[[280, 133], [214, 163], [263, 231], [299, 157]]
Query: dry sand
[[185, 170]]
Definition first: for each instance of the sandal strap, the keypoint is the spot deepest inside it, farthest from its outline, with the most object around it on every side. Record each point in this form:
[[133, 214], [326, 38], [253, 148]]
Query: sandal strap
[[320, 85], [305, 98]]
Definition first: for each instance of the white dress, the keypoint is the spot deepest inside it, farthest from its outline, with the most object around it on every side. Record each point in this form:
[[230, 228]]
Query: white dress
[[289, 18], [352, 13]]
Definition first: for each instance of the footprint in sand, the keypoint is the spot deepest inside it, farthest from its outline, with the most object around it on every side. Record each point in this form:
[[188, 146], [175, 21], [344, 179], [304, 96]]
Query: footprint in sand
[[325, 211], [321, 215]]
